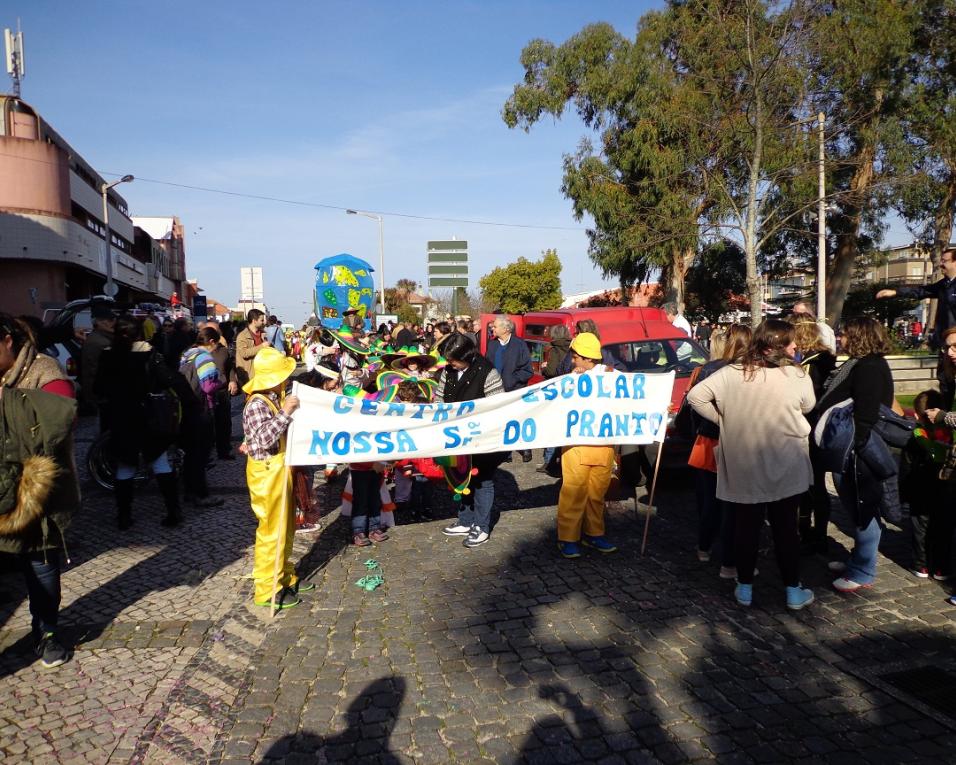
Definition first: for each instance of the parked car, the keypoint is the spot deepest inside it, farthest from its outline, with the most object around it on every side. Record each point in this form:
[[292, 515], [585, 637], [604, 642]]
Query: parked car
[[64, 330]]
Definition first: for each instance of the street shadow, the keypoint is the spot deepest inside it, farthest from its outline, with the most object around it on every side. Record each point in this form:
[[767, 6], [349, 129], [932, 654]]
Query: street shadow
[[651, 658], [370, 719]]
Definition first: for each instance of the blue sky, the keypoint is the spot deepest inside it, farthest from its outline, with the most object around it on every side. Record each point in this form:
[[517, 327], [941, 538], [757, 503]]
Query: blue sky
[[382, 106]]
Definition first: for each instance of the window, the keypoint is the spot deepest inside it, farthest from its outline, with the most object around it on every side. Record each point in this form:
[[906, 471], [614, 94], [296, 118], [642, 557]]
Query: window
[[651, 356]]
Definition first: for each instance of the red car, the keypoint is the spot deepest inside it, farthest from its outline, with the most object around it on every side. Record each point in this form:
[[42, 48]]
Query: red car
[[640, 339]]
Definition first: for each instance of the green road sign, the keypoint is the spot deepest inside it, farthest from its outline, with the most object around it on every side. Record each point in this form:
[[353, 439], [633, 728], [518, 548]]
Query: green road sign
[[443, 257], [458, 270], [442, 246], [447, 281]]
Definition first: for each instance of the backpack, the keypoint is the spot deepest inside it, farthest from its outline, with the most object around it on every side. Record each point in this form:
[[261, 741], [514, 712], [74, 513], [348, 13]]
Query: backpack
[[162, 407]]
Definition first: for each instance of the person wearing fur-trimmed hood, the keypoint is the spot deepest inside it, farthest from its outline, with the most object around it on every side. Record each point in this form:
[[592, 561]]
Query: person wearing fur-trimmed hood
[[38, 488]]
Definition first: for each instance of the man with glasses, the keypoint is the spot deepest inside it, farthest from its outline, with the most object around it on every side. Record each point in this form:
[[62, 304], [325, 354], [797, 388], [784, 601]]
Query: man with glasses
[[944, 292]]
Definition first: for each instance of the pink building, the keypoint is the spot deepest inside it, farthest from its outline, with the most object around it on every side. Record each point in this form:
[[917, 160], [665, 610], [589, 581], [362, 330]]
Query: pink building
[[51, 228]]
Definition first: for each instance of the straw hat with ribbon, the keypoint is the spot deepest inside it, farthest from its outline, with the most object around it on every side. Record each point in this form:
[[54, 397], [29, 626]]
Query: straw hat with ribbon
[[269, 369], [406, 357]]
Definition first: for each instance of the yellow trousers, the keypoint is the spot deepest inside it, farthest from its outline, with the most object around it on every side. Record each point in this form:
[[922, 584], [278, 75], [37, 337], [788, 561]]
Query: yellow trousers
[[586, 473], [274, 506]]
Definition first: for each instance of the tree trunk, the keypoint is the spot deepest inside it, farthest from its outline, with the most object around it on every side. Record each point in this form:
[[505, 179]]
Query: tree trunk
[[847, 250]]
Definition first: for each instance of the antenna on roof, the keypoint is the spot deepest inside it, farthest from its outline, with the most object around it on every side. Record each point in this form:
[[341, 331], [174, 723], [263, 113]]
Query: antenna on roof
[[16, 66]]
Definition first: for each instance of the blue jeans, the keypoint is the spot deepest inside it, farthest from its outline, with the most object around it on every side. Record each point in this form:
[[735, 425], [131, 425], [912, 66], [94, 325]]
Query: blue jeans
[[366, 500], [861, 567], [478, 511], [43, 588], [159, 466], [548, 454]]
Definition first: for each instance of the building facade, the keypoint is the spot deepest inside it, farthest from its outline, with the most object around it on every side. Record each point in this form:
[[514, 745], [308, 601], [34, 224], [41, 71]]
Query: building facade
[[52, 233]]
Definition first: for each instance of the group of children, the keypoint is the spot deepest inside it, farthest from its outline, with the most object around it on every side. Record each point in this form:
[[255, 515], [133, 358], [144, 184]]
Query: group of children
[[382, 372]]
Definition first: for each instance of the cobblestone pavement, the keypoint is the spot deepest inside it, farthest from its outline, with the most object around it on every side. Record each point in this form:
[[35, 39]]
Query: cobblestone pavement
[[506, 653]]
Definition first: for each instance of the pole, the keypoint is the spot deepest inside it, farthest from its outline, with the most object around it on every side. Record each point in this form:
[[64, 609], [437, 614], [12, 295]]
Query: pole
[[110, 288], [381, 262], [821, 227], [650, 501]]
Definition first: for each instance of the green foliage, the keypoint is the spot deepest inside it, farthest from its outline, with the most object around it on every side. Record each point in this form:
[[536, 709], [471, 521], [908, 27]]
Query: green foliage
[[525, 285], [397, 296], [406, 312], [716, 281], [697, 130]]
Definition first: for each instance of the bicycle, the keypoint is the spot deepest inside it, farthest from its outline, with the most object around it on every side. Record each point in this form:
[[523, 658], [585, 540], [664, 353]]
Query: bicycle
[[101, 467]]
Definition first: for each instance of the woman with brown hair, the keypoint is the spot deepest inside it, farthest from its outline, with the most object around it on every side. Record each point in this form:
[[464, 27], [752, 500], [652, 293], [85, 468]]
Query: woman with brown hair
[[819, 362], [714, 515], [763, 461], [866, 379]]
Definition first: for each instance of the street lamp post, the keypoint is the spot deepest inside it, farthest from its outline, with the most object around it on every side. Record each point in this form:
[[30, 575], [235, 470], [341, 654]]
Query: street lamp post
[[821, 225], [110, 289], [381, 254]]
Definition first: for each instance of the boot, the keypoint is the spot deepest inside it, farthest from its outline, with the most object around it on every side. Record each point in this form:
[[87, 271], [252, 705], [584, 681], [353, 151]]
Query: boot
[[123, 490], [169, 488]]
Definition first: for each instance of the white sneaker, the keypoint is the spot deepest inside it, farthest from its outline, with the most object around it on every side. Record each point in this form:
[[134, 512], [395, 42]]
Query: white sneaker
[[475, 538], [456, 530]]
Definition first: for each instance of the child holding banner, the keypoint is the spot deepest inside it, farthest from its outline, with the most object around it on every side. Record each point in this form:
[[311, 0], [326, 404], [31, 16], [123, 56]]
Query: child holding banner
[[470, 376], [587, 473], [265, 420]]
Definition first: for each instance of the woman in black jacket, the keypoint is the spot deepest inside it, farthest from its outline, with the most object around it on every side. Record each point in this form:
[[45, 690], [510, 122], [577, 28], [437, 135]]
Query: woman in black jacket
[[865, 378], [469, 376], [817, 359], [130, 371]]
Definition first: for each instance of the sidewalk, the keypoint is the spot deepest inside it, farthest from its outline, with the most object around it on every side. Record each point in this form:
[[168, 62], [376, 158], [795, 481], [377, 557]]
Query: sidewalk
[[505, 653]]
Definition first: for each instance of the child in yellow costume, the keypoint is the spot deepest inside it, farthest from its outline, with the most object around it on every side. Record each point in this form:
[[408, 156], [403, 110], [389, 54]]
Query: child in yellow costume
[[586, 473], [265, 420]]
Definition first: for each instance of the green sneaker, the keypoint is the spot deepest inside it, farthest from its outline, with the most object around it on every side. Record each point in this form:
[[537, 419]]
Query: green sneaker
[[301, 586], [285, 599]]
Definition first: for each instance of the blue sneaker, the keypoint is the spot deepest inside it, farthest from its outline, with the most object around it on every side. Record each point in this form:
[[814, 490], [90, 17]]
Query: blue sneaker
[[798, 597], [569, 549], [744, 593], [598, 543]]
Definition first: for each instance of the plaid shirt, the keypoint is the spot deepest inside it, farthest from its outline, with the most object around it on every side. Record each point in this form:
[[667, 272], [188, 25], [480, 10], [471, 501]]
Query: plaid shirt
[[263, 427]]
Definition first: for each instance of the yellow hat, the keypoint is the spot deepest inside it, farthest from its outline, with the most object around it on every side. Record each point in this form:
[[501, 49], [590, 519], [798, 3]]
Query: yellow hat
[[587, 346], [269, 368]]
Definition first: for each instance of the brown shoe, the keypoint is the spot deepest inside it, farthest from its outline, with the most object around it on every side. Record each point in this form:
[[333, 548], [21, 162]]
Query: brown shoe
[[377, 536], [360, 540]]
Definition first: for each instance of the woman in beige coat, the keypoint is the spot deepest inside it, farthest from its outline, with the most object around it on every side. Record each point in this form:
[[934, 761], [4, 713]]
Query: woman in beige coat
[[763, 461]]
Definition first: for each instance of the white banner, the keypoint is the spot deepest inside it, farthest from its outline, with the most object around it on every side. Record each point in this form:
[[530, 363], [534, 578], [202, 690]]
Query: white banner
[[596, 408]]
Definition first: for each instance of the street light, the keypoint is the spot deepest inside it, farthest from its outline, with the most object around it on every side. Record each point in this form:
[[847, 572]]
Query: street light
[[110, 289], [381, 254], [821, 225]]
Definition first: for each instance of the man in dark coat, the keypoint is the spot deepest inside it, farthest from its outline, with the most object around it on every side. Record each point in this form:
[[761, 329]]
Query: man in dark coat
[[512, 359], [944, 292]]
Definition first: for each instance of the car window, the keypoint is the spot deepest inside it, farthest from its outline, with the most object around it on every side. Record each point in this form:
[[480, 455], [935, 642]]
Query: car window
[[538, 355], [658, 355]]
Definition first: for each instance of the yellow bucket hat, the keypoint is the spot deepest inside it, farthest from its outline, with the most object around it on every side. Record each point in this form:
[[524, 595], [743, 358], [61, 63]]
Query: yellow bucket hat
[[587, 346], [269, 368]]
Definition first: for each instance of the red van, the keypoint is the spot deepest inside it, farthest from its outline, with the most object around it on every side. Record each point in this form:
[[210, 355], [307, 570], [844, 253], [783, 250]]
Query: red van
[[641, 339]]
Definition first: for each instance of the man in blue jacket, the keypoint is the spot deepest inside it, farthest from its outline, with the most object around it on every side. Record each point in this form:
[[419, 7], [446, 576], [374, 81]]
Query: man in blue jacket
[[944, 292], [511, 358]]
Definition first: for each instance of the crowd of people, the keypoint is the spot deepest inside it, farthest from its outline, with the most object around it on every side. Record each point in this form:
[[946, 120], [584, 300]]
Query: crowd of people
[[765, 412]]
